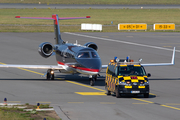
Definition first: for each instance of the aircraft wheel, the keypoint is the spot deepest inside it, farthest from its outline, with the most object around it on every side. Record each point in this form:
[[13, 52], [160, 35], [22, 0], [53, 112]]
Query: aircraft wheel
[[92, 81], [50, 75]]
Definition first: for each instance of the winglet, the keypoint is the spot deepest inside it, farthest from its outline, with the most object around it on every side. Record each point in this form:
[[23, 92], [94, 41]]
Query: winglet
[[163, 64], [173, 56]]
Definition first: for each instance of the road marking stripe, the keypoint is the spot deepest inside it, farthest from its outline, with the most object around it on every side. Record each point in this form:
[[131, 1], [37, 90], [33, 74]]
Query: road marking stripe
[[172, 104], [142, 100], [31, 71], [152, 94], [43, 102], [13, 101], [171, 107], [91, 93], [140, 103], [75, 102], [84, 85], [125, 42], [107, 102]]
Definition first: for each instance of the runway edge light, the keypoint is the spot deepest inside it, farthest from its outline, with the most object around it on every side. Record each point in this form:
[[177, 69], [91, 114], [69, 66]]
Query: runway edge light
[[38, 105], [5, 101]]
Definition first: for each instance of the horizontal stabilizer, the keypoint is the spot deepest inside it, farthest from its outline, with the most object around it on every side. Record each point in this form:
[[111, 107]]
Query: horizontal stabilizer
[[53, 18]]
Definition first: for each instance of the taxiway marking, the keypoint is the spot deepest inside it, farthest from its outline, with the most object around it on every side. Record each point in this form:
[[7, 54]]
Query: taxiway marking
[[167, 106], [91, 93], [76, 102], [107, 102]]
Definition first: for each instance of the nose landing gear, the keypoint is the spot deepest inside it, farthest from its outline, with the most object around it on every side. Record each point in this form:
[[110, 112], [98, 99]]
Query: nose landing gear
[[50, 74], [92, 79]]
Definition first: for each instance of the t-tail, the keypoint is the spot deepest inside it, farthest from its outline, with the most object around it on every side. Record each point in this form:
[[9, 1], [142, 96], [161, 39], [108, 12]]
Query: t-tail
[[57, 30], [56, 24]]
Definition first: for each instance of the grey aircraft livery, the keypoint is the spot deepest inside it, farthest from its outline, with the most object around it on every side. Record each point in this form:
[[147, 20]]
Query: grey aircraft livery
[[73, 58]]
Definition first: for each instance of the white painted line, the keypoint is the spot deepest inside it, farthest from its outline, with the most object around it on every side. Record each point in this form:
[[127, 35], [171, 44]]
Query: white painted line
[[48, 109], [130, 43], [9, 104]]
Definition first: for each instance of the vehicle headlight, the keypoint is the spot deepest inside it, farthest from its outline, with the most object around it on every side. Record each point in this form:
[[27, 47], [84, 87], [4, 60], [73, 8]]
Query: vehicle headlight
[[146, 83], [122, 83]]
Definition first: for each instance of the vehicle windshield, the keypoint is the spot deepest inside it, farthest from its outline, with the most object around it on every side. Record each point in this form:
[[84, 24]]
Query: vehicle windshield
[[131, 70], [83, 55]]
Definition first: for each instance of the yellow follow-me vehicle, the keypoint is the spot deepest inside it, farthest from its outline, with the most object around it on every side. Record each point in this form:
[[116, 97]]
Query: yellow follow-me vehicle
[[124, 76]]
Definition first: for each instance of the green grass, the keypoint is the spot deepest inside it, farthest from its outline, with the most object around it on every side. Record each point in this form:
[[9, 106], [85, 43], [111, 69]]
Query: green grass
[[98, 16], [19, 114], [132, 2]]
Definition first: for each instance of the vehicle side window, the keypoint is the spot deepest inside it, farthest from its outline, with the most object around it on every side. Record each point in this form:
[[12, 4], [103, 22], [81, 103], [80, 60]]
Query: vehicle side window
[[116, 71], [110, 69]]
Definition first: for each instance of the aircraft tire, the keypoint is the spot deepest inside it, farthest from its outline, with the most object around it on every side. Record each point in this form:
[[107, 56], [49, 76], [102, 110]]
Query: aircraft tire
[[92, 81], [52, 76], [48, 76]]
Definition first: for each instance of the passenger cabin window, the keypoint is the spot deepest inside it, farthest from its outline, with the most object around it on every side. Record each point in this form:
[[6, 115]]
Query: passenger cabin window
[[94, 55], [83, 55]]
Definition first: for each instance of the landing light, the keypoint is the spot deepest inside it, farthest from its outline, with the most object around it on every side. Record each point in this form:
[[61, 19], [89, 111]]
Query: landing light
[[52, 72]]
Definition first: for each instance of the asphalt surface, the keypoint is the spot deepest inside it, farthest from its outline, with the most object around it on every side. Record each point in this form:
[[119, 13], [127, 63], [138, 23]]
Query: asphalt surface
[[74, 6], [25, 86]]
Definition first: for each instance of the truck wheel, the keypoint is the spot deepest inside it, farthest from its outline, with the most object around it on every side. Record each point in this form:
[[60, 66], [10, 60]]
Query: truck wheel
[[107, 91], [118, 95]]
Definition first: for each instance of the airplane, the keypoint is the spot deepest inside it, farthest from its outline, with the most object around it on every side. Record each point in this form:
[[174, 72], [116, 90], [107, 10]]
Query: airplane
[[73, 58]]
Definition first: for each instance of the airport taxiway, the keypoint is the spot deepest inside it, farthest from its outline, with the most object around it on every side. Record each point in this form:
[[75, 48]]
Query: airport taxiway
[[27, 85]]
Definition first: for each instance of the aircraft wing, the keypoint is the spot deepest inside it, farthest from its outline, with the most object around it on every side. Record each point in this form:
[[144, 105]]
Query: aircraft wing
[[162, 64], [54, 67], [154, 64]]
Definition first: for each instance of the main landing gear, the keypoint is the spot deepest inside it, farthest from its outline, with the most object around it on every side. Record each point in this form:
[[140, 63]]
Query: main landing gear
[[50, 74], [92, 79]]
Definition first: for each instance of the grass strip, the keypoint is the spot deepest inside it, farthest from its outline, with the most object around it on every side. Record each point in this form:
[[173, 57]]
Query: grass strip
[[98, 16], [8, 113]]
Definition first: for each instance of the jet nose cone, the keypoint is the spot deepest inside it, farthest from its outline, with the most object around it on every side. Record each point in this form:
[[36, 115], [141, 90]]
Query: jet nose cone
[[93, 65]]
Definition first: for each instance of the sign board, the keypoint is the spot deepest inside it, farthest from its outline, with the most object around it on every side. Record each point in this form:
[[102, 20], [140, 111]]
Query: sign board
[[85, 26], [164, 26], [132, 26]]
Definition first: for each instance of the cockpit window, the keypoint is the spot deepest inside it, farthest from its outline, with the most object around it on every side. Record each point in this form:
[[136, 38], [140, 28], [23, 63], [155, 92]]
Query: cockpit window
[[83, 55], [94, 55]]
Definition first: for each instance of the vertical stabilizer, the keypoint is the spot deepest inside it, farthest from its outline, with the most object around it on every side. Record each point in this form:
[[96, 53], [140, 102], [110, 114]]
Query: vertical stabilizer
[[56, 24], [57, 30]]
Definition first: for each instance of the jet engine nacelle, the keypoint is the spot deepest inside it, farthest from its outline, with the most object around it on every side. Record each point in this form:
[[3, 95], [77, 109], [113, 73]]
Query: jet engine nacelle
[[91, 45], [45, 49]]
